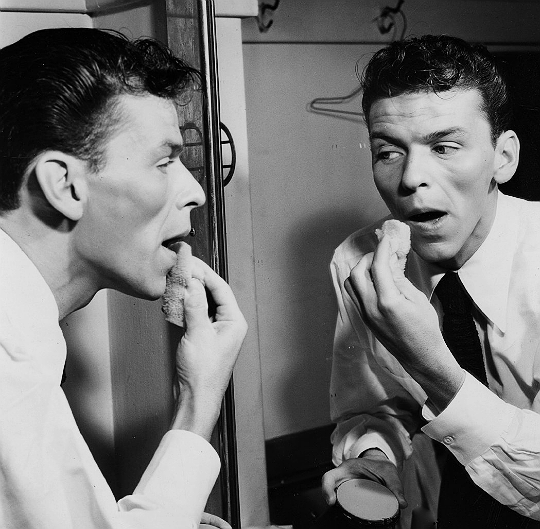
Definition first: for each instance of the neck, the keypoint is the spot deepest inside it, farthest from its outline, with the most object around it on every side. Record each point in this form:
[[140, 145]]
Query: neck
[[51, 252]]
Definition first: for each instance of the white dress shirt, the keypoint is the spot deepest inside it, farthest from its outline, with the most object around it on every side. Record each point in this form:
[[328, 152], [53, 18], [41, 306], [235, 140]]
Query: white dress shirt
[[494, 432], [48, 477]]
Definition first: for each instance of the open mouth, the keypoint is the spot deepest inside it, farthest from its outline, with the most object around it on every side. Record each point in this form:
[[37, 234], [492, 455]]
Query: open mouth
[[171, 243], [427, 216]]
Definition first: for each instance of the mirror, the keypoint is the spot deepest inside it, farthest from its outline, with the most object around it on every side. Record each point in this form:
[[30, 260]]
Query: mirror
[[311, 186]]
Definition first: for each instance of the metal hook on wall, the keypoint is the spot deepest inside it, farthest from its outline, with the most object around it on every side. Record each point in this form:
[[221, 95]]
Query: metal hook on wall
[[386, 21], [264, 19]]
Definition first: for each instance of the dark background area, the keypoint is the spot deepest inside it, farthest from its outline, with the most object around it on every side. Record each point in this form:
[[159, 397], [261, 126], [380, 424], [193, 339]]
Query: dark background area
[[523, 71]]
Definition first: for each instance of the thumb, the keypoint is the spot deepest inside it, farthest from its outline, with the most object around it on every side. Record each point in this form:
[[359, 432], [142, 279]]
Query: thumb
[[195, 303], [396, 487], [329, 486], [211, 520], [412, 293]]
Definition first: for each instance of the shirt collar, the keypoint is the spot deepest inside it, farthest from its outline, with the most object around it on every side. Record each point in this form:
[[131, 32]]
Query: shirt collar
[[31, 309], [20, 275], [486, 275]]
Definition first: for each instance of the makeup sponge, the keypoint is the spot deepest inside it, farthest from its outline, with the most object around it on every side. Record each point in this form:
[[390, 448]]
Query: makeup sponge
[[177, 278], [400, 239]]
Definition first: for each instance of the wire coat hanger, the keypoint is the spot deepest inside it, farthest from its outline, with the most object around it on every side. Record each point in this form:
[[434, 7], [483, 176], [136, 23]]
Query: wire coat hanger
[[385, 22], [319, 105]]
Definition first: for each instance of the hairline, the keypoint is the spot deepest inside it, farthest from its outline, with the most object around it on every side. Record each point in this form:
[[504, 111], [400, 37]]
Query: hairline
[[117, 120], [429, 90]]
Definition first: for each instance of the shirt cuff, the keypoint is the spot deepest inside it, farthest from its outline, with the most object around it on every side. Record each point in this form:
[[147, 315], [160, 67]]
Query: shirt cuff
[[181, 474], [371, 440], [473, 421]]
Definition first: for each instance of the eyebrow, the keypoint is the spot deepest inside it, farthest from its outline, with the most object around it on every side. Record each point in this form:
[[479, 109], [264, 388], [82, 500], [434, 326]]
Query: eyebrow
[[382, 136], [440, 134], [427, 138], [174, 147]]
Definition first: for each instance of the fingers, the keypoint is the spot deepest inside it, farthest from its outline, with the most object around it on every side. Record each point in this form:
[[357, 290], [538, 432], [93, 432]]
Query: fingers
[[227, 306], [195, 304], [350, 469], [377, 281], [383, 472], [389, 479], [382, 272], [211, 520], [389, 278], [329, 484], [394, 484]]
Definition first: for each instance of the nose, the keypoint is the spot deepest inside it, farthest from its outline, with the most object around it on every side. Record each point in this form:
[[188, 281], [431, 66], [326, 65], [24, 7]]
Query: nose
[[415, 172], [191, 193]]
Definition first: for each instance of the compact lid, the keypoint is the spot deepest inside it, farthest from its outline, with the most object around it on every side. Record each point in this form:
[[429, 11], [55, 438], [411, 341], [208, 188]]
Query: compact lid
[[368, 500]]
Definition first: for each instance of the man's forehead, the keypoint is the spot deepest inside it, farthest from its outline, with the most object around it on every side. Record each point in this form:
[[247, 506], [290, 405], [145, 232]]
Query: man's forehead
[[456, 106], [148, 118]]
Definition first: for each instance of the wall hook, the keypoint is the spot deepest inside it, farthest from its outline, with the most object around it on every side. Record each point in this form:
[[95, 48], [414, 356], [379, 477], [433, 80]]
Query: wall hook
[[266, 11], [386, 21]]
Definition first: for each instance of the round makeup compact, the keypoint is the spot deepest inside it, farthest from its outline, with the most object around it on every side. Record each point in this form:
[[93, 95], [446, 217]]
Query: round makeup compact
[[366, 503]]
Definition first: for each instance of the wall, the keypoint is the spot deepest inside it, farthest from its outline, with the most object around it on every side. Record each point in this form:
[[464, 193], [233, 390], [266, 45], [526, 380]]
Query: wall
[[14, 26], [310, 174], [146, 20]]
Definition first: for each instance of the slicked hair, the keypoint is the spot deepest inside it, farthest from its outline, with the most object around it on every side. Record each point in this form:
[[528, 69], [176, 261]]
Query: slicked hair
[[59, 90], [438, 64]]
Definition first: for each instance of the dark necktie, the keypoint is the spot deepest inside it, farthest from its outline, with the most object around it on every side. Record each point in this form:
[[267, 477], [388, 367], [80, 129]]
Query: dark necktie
[[459, 330], [462, 504]]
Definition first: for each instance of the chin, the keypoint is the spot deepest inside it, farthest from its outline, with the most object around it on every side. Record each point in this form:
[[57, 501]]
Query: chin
[[438, 256], [149, 291], [448, 262], [155, 293]]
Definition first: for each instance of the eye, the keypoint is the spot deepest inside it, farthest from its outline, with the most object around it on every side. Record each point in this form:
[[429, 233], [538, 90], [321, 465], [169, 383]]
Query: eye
[[165, 162], [444, 149], [386, 154]]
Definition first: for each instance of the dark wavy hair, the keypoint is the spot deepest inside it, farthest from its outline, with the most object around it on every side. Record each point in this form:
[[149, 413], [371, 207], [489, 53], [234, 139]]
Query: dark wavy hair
[[437, 64], [59, 90]]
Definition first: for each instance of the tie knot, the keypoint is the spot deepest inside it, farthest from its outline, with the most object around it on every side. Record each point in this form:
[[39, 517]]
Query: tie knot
[[452, 294]]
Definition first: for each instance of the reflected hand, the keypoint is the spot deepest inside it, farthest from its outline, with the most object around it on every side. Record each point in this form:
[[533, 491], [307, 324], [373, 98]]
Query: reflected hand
[[405, 322], [211, 520], [373, 465]]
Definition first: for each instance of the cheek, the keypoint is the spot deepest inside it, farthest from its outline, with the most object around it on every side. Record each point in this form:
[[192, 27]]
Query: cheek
[[474, 173], [142, 205], [381, 180], [387, 185], [471, 193]]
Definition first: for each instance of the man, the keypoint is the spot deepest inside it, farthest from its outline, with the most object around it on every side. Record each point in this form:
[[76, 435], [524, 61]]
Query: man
[[92, 193], [437, 112]]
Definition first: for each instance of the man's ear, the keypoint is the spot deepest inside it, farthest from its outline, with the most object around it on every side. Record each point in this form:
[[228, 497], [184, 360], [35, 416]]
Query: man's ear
[[62, 179], [506, 157]]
